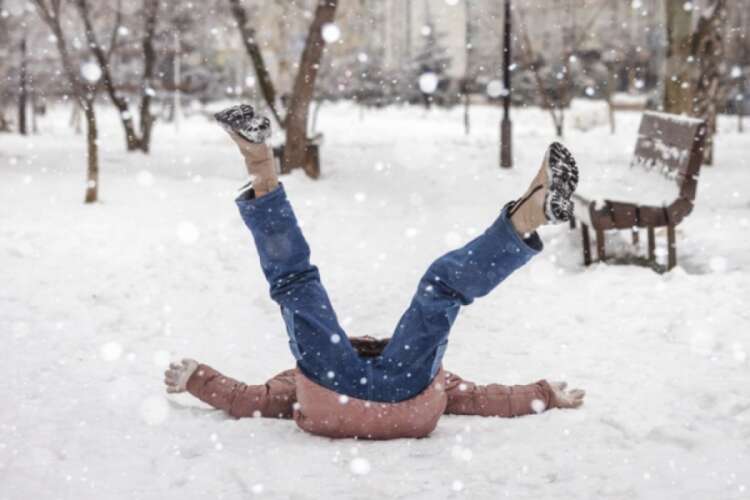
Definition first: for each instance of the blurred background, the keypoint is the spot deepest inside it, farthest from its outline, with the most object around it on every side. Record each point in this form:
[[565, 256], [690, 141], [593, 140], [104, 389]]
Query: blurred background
[[401, 127]]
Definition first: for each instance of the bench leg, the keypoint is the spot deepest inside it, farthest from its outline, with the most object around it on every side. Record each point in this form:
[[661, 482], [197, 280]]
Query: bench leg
[[671, 248], [636, 237], [572, 223], [600, 245], [651, 245], [586, 245]]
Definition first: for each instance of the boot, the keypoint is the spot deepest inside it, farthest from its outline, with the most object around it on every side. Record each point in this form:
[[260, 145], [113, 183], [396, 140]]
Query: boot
[[250, 131], [547, 201]]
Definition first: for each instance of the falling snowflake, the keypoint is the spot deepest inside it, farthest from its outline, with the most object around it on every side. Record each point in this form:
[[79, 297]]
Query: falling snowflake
[[330, 32], [428, 82], [495, 89], [538, 405], [91, 71], [359, 466]]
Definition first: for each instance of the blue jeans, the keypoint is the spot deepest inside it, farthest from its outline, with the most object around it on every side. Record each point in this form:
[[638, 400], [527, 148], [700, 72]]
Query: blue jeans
[[413, 355]]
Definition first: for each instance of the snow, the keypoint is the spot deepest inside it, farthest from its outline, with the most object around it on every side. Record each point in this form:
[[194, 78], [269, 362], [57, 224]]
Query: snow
[[93, 299], [91, 71], [623, 182], [428, 82], [330, 32]]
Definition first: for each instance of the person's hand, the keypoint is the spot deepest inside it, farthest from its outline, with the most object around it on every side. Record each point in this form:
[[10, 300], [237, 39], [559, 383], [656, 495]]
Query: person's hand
[[178, 374], [563, 398]]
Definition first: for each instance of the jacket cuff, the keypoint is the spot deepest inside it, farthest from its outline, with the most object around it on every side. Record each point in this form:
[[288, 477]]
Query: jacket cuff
[[198, 379]]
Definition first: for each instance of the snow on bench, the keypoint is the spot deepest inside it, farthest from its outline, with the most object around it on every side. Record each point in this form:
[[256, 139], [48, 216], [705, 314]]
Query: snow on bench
[[657, 188]]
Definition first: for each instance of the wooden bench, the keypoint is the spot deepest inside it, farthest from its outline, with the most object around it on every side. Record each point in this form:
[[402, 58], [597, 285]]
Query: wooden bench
[[657, 190]]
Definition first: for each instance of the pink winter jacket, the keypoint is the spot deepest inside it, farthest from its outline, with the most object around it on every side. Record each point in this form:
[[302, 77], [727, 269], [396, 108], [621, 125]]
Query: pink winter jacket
[[318, 410]]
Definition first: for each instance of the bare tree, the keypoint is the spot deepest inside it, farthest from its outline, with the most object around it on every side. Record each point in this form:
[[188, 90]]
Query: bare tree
[[295, 120], [708, 52], [677, 63], [84, 91], [469, 48], [23, 90], [556, 107], [693, 66], [133, 139]]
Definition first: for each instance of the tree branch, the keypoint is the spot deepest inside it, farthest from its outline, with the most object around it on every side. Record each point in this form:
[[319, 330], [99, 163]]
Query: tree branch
[[253, 50]]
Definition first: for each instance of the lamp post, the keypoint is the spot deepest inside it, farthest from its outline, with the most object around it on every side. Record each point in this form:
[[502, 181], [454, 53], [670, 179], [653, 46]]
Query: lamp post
[[506, 150]]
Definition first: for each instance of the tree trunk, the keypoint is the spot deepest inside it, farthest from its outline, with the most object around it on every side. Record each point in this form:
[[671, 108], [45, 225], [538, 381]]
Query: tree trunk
[[151, 9], [304, 85], [92, 154], [559, 122], [610, 95], [177, 70], [708, 52], [85, 94], [23, 90], [677, 88], [468, 44]]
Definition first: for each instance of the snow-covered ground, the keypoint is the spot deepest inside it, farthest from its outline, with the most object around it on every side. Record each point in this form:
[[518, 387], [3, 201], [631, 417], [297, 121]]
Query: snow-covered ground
[[94, 300]]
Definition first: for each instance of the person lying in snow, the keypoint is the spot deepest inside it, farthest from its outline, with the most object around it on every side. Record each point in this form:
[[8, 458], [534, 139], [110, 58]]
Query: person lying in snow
[[364, 387]]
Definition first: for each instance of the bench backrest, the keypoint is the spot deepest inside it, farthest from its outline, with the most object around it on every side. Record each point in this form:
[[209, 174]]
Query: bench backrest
[[672, 146]]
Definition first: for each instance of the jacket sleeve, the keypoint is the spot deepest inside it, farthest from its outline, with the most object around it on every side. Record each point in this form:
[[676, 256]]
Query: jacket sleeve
[[495, 400], [274, 399]]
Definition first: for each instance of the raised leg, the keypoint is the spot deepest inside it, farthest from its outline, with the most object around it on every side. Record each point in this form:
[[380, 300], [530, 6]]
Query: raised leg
[[412, 357], [586, 245], [316, 339]]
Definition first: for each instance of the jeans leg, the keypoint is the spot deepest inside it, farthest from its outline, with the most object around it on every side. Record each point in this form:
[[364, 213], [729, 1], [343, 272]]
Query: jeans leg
[[412, 357], [317, 341]]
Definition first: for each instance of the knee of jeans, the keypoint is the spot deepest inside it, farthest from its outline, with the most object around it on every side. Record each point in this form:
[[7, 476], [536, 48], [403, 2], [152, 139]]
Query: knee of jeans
[[288, 315]]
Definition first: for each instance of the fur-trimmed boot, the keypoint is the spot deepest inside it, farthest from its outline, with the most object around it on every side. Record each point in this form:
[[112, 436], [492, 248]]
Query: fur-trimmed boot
[[250, 131], [547, 201]]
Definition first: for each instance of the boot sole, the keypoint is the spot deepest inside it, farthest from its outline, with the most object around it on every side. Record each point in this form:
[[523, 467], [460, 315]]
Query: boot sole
[[243, 121], [562, 173]]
